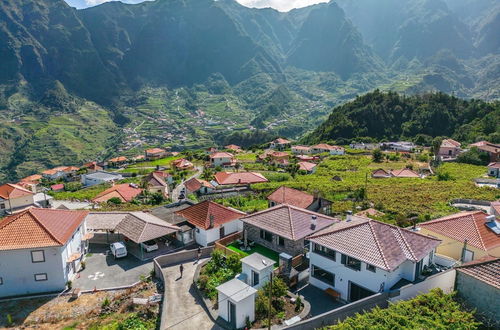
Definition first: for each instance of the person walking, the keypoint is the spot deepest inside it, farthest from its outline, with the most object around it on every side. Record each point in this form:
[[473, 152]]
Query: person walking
[[199, 254], [181, 268]]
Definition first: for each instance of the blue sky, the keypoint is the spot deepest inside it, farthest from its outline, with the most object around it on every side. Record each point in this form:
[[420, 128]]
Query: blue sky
[[282, 5]]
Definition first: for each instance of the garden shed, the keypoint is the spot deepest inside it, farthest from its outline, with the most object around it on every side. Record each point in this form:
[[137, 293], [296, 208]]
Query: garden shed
[[257, 269], [236, 303]]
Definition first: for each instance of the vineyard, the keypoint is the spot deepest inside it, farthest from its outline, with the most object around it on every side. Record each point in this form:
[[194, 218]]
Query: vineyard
[[397, 197]]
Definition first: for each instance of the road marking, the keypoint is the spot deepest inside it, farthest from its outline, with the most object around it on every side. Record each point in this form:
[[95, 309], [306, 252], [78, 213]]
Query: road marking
[[96, 276]]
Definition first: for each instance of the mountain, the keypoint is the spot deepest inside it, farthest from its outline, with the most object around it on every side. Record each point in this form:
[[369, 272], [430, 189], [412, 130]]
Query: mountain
[[190, 73], [391, 116]]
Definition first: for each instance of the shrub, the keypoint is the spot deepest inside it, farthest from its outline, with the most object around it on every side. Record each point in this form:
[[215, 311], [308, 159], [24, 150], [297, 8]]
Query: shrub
[[298, 304], [10, 321], [115, 201], [377, 156], [202, 281], [106, 302]]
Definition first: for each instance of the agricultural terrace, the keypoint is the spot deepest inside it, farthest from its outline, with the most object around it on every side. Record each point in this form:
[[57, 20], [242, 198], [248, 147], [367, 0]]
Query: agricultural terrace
[[399, 198]]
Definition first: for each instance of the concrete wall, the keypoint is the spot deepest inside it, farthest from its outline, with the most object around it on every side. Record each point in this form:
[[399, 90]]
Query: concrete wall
[[17, 203], [340, 314], [477, 294], [18, 272], [444, 280], [292, 248], [183, 256], [244, 308], [264, 274], [206, 237]]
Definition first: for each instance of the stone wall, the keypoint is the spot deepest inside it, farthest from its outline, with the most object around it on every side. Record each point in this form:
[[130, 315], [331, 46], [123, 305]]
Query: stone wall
[[292, 248]]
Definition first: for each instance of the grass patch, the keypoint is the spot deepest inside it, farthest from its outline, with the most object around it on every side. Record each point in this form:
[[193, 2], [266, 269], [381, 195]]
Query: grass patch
[[256, 249]]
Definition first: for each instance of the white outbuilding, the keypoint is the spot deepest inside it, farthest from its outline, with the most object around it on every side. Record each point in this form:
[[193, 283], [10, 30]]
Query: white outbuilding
[[236, 303], [257, 269]]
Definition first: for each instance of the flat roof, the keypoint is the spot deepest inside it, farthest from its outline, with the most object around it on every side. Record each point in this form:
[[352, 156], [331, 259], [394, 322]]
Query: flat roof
[[258, 261], [236, 290], [103, 175]]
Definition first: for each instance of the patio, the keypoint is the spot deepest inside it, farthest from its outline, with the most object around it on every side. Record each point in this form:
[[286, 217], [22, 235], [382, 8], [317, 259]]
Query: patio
[[235, 246]]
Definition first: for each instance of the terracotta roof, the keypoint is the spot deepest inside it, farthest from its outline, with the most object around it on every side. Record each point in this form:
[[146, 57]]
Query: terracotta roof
[[32, 178], [288, 221], [376, 243], [306, 166], [494, 165], [71, 169], [182, 163], [118, 159], [125, 192], [276, 154], [39, 228], [232, 147], [155, 151], [450, 143], [58, 186], [157, 178], [470, 226], [301, 148], [141, 227], [381, 173], [323, 146], [305, 157], [199, 214], [194, 184], [228, 178], [10, 190], [405, 173], [221, 155], [290, 196], [60, 169], [486, 270], [281, 141], [496, 206], [487, 146]]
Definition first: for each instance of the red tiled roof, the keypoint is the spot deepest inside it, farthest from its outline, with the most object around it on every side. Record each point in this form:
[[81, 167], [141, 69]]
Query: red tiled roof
[[487, 146], [39, 228], [301, 148], [470, 226], [125, 192], [232, 147], [60, 169], [289, 221], [199, 214], [194, 184], [376, 243], [405, 173], [306, 166], [221, 155], [323, 146], [182, 163], [486, 270], [228, 178], [286, 195], [381, 173], [277, 154], [155, 151], [281, 141], [58, 186], [450, 143], [494, 165], [157, 178], [496, 206], [10, 190], [118, 159], [32, 178]]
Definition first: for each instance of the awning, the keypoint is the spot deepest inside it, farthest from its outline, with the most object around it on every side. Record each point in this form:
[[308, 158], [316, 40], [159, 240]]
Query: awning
[[74, 256]]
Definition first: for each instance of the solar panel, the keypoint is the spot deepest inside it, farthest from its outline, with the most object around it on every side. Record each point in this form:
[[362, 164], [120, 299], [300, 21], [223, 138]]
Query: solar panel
[[493, 226]]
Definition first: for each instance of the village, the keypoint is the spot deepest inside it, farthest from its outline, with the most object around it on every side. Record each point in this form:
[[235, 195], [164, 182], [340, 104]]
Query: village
[[280, 236]]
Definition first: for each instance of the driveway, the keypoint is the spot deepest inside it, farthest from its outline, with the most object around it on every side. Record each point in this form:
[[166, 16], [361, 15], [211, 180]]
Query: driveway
[[103, 271], [182, 309], [319, 300]]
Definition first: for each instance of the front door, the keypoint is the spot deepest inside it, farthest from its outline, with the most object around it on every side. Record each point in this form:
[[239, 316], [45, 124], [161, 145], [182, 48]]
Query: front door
[[222, 232], [231, 309], [418, 269], [357, 292]]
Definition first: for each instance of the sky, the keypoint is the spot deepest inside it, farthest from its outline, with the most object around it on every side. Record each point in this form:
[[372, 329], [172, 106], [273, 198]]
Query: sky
[[281, 5]]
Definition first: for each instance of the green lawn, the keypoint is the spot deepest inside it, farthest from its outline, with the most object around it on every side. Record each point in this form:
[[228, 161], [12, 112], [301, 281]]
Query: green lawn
[[257, 248]]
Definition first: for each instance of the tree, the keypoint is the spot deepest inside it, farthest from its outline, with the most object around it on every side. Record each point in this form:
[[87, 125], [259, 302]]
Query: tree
[[377, 155], [115, 201], [207, 174], [237, 166], [474, 156]]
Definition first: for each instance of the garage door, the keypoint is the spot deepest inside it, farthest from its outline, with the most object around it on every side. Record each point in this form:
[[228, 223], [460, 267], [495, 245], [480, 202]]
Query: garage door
[[357, 292]]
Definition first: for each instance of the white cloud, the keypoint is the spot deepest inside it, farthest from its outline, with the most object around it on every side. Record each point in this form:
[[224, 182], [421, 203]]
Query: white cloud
[[281, 5]]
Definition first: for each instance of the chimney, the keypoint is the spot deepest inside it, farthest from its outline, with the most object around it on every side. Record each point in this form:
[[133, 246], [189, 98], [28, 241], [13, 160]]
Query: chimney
[[348, 216], [313, 222], [212, 220]]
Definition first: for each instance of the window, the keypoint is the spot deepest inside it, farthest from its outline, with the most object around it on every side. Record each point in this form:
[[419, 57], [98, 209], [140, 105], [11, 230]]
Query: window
[[255, 278], [41, 277], [370, 268], [2, 206], [281, 241], [324, 251], [38, 256], [265, 235], [1, 281], [323, 275], [351, 262]]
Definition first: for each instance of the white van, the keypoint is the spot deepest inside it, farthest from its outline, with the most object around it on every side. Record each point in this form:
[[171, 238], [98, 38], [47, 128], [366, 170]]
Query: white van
[[118, 250]]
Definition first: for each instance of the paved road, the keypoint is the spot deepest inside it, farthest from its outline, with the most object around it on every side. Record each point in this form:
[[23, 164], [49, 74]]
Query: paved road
[[177, 190], [182, 310]]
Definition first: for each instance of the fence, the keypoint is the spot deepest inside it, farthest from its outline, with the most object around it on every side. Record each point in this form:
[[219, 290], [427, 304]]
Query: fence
[[444, 261], [221, 244], [444, 280], [341, 313]]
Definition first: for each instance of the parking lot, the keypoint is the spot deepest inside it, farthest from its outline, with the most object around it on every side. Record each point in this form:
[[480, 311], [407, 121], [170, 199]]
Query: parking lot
[[103, 271]]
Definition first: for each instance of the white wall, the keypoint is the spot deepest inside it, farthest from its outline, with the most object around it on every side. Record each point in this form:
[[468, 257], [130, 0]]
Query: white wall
[[244, 308], [444, 280], [264, 274], [205, 237], [337, 152]]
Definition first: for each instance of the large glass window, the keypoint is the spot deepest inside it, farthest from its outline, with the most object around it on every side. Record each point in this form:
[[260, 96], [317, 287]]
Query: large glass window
[[351, 262], [265, 235], [324, 251], [38, 256], [323, 275]]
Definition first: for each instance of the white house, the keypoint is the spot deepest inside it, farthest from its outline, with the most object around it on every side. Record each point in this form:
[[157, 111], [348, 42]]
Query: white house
[[360, 257], [494, 169], [256, 269], [236, 303], [14, 198], [279, 144], [323, 148], [59, 172], [222, 159], [301, 150], [40, 250], [212, 221], [99, 177]]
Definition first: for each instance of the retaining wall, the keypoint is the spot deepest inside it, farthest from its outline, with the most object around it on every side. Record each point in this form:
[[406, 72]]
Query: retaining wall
[[444, 280]]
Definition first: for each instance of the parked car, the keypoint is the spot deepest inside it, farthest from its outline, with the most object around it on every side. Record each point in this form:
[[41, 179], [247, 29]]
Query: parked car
[[149, 246], [118, 249]]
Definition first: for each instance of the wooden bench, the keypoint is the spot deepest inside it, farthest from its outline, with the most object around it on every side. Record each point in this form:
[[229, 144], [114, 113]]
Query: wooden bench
[[333, 293]]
